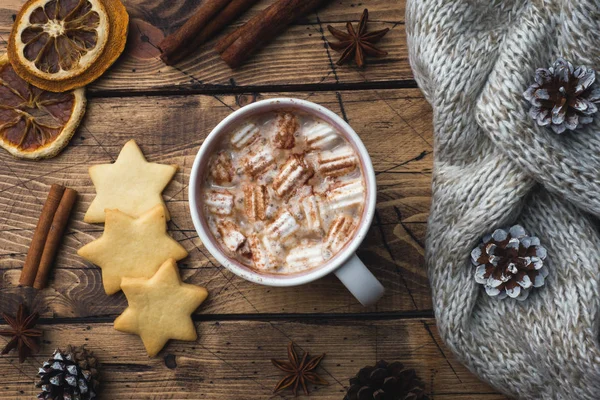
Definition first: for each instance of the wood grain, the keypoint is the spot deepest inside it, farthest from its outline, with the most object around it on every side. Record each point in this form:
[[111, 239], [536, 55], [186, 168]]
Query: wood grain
[[231, 359], [300, 56], [393, 124], [169, 111]]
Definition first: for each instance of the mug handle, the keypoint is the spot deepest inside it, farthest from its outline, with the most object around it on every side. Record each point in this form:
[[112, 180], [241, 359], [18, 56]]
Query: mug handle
[[360, 281]]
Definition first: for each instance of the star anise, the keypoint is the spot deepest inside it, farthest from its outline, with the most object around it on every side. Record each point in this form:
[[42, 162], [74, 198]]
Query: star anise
[[299, 371], [357, 43], [22, 332]]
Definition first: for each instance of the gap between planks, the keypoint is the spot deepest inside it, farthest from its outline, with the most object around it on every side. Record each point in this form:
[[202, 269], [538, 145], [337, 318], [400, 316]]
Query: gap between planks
[[211, 89], [299, 317]]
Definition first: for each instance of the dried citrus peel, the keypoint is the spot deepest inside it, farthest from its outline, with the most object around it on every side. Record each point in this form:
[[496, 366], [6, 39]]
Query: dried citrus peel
[[59, 45], [59, 39], [35, 123]]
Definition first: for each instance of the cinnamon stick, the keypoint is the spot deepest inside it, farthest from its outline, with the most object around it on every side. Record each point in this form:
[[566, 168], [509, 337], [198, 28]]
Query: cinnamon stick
[[59, 223], [32, 261], [210, 18], [236, 47]]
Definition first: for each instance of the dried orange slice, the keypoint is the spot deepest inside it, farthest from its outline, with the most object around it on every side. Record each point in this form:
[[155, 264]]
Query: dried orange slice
[[36, 123], [60, 45]]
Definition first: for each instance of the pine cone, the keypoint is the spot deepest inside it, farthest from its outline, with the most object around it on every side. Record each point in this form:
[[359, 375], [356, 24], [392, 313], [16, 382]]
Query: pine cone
[[69, 375], [386, 382], [510, 263], [563, 97]]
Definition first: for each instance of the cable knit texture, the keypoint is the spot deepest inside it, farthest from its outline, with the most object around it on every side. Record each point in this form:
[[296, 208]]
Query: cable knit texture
[[494, 167]]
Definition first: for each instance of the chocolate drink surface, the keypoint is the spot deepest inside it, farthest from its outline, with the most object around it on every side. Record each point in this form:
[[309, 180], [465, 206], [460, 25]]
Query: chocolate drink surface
[[283, 193]]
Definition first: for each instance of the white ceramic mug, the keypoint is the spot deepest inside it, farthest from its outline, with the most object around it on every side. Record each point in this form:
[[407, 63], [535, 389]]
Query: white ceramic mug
[[345, 264]]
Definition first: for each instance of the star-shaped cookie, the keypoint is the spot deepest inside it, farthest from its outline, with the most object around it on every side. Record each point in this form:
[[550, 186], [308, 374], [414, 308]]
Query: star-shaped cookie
[[131, 184], [160, 308], [132, 247]]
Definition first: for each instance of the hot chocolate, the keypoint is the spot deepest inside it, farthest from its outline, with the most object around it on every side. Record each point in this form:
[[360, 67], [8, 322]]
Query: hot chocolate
[[283, 193]]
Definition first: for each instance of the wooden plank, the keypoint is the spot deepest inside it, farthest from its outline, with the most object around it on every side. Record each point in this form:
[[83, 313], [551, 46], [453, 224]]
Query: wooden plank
[[231, 359], [394, 124], [298, 57]]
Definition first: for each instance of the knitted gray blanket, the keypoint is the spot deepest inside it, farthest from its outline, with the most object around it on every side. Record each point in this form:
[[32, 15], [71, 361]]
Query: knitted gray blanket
[[494, 167]]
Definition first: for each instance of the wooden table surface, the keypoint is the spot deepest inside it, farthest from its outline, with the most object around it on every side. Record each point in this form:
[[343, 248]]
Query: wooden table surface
[[169, 111]]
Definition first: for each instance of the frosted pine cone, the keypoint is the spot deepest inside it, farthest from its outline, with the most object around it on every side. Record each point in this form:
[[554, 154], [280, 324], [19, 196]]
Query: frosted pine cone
[[69, 375], [509, 263], [563, 97], [386, 381]]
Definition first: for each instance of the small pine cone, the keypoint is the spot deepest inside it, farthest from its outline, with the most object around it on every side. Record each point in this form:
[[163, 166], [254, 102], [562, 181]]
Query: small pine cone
[[386, 381], [509, 263], [69, 375], [563, 97]]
